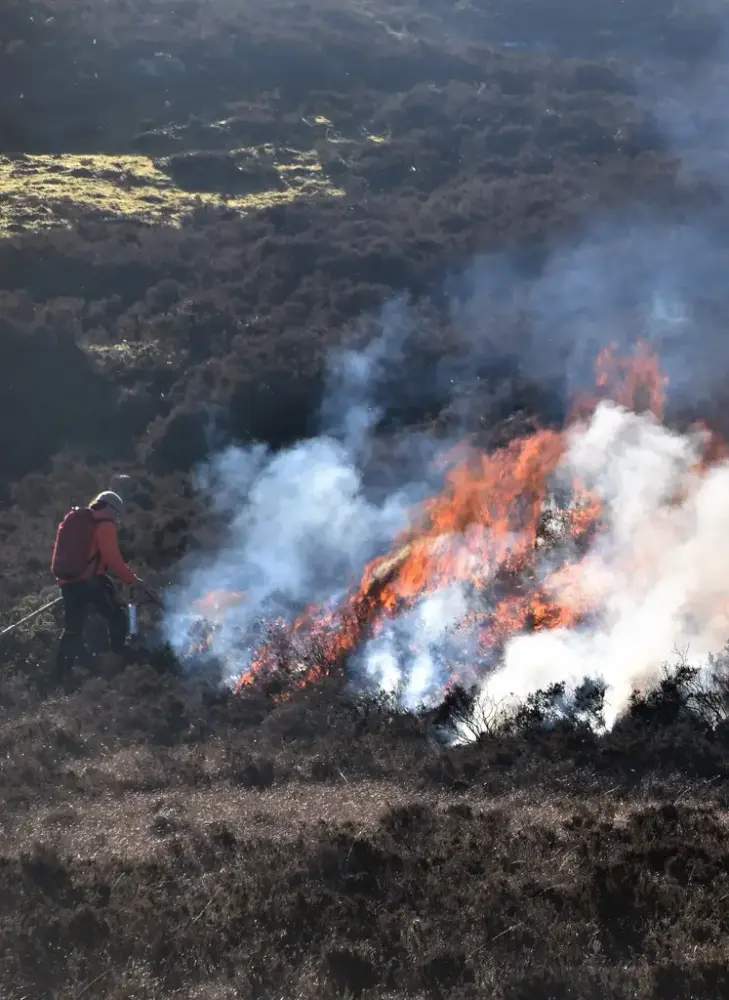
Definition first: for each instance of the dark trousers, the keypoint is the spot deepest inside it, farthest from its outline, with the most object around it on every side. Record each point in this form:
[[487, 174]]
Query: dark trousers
[[97, 594]]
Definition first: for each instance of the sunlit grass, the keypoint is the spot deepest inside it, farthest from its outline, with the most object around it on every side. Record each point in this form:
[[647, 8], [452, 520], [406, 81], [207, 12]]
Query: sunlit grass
[[125, 355], [43, 191]]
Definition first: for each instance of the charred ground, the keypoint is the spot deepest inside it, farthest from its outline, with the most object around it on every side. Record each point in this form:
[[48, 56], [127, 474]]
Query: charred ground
[[198, 200]]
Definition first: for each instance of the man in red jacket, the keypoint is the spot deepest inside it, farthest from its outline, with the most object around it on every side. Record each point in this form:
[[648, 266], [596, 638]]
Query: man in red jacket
[[85, 551]]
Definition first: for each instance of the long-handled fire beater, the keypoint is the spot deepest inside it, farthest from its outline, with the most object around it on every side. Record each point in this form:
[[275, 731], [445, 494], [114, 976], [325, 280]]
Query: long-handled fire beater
[[131, 610]]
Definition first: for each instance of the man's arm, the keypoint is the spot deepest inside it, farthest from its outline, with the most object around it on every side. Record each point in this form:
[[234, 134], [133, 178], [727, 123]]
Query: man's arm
[[110, 554]]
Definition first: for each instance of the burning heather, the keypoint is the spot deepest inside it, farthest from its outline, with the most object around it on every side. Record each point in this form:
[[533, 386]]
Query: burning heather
[[591, 552]]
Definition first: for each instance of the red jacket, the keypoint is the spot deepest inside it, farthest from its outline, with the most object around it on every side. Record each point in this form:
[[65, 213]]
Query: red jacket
[[104, 555]]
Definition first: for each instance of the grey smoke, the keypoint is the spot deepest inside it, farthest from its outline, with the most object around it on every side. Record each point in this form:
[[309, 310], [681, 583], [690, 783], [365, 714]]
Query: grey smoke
[[689, 106], [622, 279], [300, 524], [348, 411]]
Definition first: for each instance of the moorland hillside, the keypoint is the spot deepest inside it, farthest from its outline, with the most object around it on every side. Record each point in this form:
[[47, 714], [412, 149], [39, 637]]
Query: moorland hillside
[[199, 200]]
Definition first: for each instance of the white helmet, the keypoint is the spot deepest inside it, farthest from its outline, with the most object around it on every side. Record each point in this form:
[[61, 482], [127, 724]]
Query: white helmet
[[110, 499]]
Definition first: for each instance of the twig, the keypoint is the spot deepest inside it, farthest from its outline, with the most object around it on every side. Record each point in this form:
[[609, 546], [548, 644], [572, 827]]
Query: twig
[[93, 982], [117, 880], [691, 788], [486, 944], [216, 893], [514, 927]]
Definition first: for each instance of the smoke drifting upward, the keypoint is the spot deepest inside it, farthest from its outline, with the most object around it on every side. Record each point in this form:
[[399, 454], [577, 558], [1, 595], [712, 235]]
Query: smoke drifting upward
[[623, 279], [301, 525]]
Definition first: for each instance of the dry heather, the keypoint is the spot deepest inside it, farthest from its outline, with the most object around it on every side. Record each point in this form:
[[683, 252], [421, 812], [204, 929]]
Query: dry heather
[[172, 259], [161, 840]]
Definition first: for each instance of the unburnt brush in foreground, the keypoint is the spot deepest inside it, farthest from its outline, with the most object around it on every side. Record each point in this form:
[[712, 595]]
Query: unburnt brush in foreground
[[159, 840]]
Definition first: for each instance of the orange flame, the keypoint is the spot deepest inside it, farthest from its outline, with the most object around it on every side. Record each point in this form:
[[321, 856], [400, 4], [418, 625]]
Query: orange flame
[[217, 601], [485, 528]]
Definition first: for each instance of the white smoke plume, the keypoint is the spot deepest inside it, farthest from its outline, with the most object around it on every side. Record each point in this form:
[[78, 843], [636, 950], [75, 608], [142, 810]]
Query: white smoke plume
[[415, 654], [300, 523], [656, 577]]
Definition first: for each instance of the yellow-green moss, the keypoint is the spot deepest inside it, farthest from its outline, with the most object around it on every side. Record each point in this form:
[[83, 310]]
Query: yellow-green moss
[[41, 191]]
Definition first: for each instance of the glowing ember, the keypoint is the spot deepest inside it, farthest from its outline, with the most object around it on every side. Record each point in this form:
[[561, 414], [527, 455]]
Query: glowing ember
[[486, 530]]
